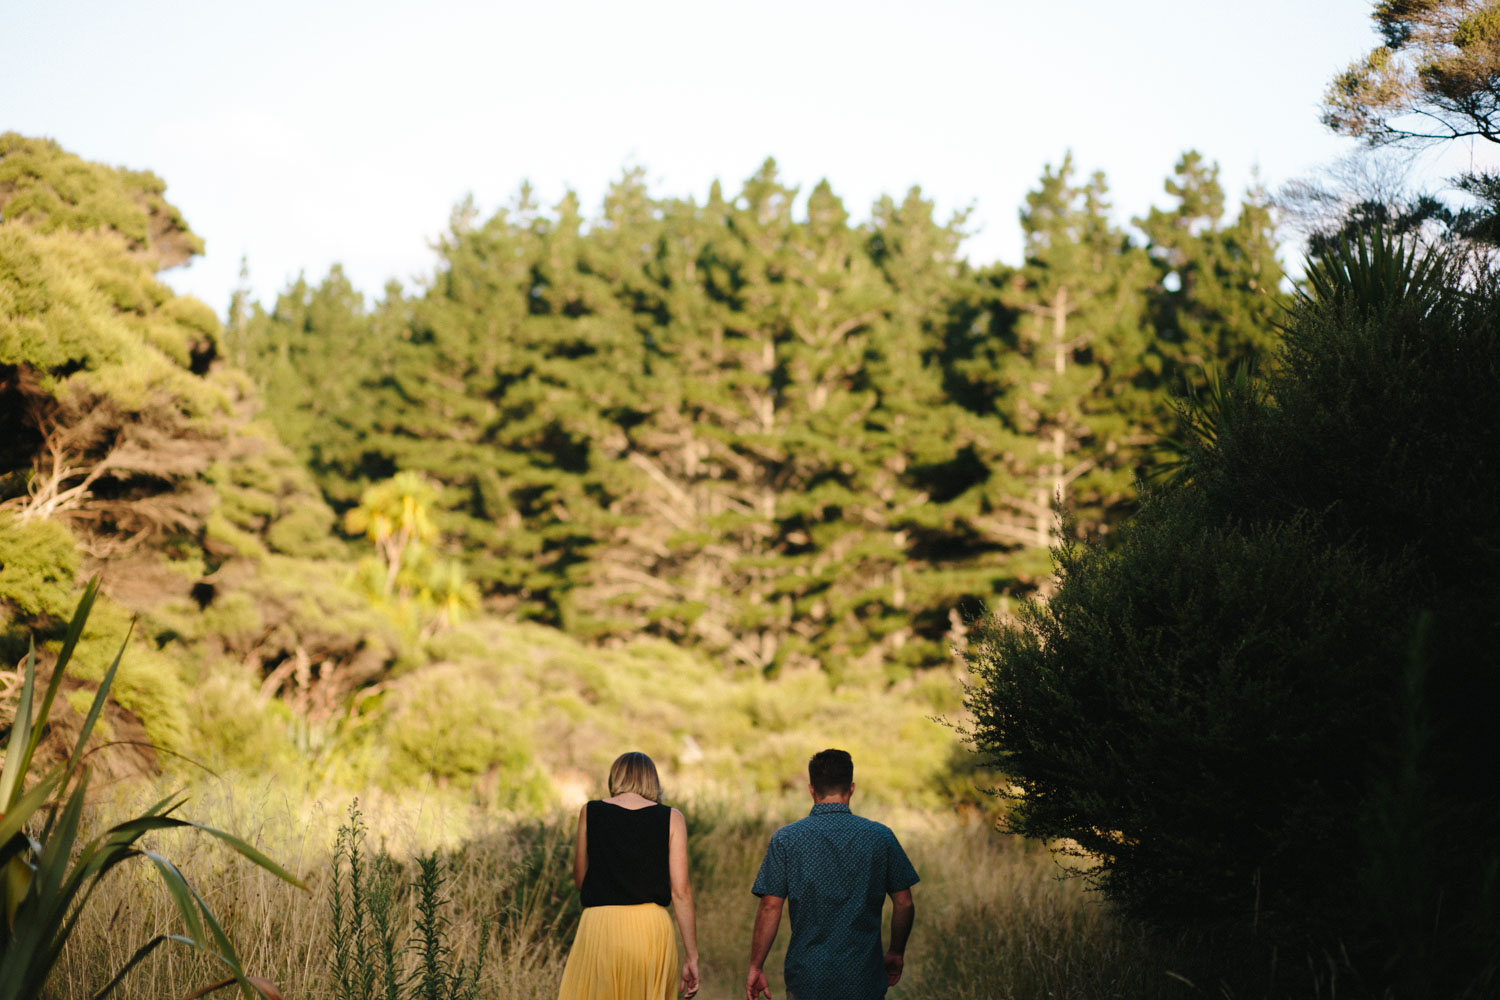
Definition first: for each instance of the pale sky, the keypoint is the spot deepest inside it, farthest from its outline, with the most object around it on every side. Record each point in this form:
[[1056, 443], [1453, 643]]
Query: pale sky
[[298, 133]]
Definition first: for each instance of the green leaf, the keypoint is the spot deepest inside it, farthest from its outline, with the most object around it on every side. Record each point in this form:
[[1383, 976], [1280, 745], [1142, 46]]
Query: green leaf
[[22, 809], [59, 840], [100, 697], [226, 952], [17, 757], [182, 894], [135, 960], [64, 656], [249, 852]]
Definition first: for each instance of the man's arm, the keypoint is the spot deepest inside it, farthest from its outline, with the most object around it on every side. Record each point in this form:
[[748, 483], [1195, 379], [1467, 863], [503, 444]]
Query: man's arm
[[903, 911], [767, 922]]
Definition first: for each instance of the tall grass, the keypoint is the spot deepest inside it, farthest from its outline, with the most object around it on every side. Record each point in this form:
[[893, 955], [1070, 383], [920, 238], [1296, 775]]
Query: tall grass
[[994, 920], [366, 895]]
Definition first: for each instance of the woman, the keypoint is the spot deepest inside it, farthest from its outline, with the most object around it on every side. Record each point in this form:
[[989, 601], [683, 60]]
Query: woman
[[630, 862]]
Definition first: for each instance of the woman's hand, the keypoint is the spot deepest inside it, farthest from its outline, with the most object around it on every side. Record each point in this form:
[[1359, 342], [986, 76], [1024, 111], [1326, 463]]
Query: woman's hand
[[689, 982]]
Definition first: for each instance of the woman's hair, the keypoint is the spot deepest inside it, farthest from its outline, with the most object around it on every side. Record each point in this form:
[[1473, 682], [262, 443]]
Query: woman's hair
[[634, 772]]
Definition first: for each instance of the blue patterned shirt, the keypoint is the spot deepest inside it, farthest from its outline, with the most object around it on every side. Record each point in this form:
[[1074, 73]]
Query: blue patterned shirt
[[834, 869]]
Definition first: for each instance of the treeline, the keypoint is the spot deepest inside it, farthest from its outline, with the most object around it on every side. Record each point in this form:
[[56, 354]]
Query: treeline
[[756, 426], [262, 636]]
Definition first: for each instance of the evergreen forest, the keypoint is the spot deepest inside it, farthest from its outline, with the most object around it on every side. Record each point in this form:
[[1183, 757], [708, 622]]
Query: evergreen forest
[[771, 445], [754, 427]]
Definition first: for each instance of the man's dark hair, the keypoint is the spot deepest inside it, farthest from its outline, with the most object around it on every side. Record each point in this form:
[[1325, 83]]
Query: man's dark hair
[[831, 771]]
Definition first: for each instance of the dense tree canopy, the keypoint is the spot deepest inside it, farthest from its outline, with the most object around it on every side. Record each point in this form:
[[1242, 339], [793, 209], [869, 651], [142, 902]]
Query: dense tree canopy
[[125, 447], [752, 425], [134, 446], [756, 425]]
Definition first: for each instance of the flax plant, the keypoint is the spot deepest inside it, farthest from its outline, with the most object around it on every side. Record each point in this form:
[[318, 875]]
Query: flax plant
[[48, 877]]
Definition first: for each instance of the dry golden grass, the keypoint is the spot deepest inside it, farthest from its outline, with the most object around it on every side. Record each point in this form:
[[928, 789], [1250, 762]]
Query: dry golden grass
[[994, 920]]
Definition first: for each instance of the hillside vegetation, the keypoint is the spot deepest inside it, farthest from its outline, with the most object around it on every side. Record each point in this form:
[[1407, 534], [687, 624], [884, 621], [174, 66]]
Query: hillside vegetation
[[132, 448], [711, 480]]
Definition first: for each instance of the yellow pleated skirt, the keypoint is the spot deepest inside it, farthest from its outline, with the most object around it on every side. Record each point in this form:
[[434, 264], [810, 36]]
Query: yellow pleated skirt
[[622, 953]]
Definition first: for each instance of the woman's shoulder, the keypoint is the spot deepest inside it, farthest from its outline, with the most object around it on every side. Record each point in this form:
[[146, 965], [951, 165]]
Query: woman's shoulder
[[630, 802]]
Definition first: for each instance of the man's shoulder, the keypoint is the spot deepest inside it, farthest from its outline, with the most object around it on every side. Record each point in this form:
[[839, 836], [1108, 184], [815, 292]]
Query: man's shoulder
[[797, 830], [807, 825], [791, 830], [872, 827]]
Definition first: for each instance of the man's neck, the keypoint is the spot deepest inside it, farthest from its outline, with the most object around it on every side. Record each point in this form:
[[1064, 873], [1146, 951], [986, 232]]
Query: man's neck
[[840, 797]]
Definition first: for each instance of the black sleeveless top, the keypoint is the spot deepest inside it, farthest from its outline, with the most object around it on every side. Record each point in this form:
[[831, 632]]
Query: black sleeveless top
[[627, 855]]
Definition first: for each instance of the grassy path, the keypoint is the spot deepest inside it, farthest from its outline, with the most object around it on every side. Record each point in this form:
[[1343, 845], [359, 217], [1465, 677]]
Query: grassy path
[[993, 918]]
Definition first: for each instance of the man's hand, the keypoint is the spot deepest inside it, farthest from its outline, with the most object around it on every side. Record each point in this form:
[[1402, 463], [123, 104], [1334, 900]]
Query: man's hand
[[893, 966], [903, 911], [756, 985], [767, 920]]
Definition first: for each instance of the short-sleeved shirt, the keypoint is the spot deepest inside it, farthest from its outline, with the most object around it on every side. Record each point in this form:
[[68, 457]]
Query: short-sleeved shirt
[[834, 869]]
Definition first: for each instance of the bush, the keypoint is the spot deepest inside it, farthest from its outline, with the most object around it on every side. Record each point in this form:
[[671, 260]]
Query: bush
[[454, 723], [38, 563], [371, 958], [1268, 703], [1193, 708]]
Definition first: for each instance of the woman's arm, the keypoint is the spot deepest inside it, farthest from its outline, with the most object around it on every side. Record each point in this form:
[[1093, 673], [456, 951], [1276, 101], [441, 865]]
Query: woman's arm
[[581, 848], [682, 900]]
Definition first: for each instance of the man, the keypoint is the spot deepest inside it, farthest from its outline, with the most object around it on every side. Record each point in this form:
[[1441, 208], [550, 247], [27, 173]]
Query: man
[[835, 869]]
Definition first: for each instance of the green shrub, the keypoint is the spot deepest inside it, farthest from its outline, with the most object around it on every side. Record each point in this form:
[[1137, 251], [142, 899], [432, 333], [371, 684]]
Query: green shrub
[[147, 684], [50, 190], [1269, 702], [371, 958], [455, 723], [232, 727], [38, 564], [304, 528], [1194, 709]]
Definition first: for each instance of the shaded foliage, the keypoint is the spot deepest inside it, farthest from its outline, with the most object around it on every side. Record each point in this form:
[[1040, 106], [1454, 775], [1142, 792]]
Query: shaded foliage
[[1269, 698]]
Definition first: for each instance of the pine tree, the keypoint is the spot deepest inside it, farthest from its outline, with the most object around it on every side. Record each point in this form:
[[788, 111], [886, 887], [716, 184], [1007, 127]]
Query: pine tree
[[1220, 299], [786, 394], [316, 357], [507, 384], [771, 432], [1070, 379]]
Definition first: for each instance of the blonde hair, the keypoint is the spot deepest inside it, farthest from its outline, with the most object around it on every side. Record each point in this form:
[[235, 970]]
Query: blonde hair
[[634, 772]]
